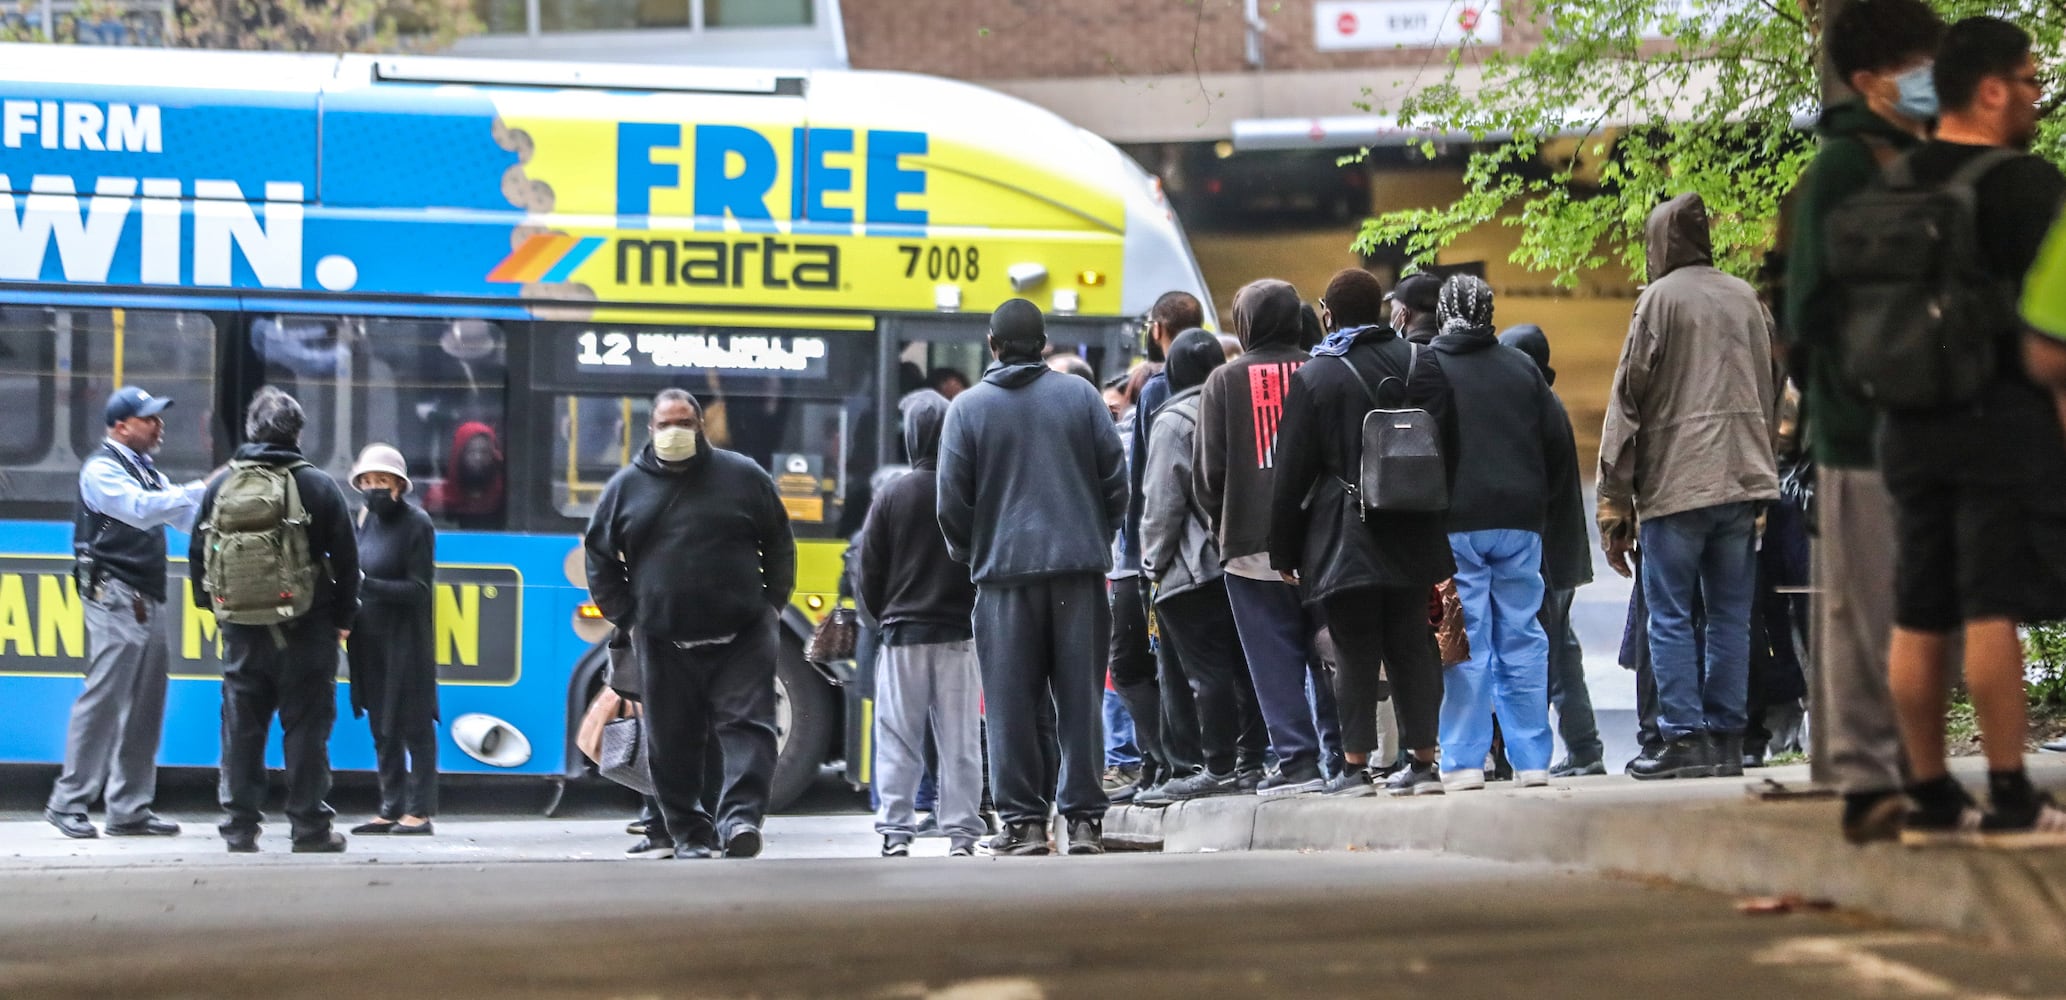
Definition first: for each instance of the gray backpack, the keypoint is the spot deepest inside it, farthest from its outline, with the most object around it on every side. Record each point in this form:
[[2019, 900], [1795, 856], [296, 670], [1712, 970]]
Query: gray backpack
[[1402, 471]]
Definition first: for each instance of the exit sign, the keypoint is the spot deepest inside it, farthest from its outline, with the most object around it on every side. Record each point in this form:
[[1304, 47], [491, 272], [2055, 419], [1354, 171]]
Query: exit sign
[[1350, 25]]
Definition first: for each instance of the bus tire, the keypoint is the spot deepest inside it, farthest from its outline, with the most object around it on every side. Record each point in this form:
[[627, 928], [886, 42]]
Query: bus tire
[[805, 723]]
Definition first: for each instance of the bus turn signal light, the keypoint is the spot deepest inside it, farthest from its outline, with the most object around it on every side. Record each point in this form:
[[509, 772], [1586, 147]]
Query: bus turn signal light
[[589, 612]]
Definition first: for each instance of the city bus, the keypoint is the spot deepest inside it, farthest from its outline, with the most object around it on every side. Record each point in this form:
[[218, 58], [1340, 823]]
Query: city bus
[[493, 266]]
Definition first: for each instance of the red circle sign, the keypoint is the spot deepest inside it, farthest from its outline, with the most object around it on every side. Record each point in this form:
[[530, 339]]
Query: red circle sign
[[1346, 23], [1468, 20]]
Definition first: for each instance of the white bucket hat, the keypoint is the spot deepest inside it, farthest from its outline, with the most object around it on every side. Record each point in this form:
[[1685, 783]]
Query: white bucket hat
[[381, 458]]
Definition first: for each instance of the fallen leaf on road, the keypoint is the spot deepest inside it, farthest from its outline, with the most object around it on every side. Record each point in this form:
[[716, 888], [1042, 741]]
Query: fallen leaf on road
[[1765, 906]]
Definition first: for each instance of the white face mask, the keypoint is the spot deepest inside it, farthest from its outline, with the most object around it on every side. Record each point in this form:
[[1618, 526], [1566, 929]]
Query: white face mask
[[674, 444]]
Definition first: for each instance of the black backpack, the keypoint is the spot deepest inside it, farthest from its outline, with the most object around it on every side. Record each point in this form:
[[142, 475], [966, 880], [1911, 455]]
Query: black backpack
[[1402, 471], [1922, 316]]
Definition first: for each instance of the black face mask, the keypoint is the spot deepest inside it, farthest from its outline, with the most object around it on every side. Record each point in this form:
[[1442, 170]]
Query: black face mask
[[380, 500]]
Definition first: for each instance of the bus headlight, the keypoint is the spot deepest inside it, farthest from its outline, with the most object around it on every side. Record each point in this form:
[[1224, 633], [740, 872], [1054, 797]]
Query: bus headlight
[[490, 740]]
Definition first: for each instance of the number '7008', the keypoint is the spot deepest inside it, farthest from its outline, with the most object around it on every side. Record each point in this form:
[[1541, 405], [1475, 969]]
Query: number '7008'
[[951, 263]]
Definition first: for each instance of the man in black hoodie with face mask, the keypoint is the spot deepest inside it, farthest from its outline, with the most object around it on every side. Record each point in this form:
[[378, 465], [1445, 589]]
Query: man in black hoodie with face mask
[[689, 548], [1032, 488]]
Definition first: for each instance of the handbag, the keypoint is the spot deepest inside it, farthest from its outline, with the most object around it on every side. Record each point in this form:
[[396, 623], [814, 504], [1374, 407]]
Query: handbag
[[1450, 637], [624, 759], [588, 737], [835, 637]]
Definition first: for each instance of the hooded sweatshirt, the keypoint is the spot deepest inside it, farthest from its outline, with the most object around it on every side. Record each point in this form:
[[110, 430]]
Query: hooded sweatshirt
[[909, 583], [1566, 549], [1239, 414], [1178, 550], [1839, 422], [695, 552], [1691, 416], [1032, 476], [469, 494], [332, 541]]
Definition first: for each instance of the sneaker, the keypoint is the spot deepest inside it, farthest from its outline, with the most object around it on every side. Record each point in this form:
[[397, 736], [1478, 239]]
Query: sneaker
[[242, 843], [1298, 780], [73, 825], [648, 849], [1155, 797], [1754, 755], [329, 843], [1119, 777], [1531, 779], [1942, 823], [1203, 785], [1351, 783], [1686, 757], [636, 828], [1469, 779], [2036, 823], [962, 849], [1416, 779], [1578, 769], [896, 845], [1248, 779], [1028, 839], [1086, 836], [1871, 817]]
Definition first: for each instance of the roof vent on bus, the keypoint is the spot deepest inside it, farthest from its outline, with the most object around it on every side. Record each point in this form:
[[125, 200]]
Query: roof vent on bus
[[559, 76]]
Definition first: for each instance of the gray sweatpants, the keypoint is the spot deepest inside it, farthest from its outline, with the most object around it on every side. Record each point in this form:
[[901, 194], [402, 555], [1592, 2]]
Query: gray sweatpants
[[937, 683], [1856, 739], [112, 742]]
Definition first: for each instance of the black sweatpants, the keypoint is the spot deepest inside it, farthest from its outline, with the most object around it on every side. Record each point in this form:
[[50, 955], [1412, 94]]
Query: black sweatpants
[[726, 692], [1199, 626], [295, 677], [1136, 677], [1385, 627], [1042, 649]]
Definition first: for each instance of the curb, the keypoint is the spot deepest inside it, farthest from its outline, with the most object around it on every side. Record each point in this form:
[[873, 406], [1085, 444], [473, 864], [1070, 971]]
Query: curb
[[1707, 834]]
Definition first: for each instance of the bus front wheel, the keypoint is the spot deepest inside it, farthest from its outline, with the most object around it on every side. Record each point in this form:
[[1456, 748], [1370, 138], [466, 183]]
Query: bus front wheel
[[804, 723]]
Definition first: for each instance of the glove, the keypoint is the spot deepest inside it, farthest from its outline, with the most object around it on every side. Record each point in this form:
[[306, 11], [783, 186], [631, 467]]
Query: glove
[[1617, 520]]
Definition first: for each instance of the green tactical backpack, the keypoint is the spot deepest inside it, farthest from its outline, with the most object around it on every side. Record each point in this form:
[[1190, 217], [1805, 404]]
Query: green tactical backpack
[[255, 559]]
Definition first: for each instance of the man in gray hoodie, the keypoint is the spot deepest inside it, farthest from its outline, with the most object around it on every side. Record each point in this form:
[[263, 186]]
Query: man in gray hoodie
[[1687, 448], [1032, 489]]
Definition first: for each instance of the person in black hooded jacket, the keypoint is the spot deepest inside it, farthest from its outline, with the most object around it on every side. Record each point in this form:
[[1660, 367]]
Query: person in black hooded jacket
[[1032, 489], [1371, 573], [1572, 568], [926, 670], [689, 548], [289, 669], [1515, 523]]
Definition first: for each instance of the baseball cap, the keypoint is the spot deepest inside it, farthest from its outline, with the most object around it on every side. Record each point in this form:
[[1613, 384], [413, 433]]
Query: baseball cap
[[130, 401], [1417, 292]]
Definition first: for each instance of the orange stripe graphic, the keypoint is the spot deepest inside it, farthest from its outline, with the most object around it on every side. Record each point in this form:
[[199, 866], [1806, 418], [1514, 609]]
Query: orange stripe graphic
[[530, 261]]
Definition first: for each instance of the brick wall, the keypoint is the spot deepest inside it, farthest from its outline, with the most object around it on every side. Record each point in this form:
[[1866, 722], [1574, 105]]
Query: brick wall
[[1030, 39]]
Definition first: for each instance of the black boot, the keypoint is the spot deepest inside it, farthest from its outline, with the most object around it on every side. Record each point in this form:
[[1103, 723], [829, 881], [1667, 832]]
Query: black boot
[[1728, 754], [1685, 757]]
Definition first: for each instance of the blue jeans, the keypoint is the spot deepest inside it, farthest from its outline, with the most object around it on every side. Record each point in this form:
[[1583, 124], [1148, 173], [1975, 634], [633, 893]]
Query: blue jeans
[[1120, 750], [1707, 555], [1499, 580], [1296, 699]]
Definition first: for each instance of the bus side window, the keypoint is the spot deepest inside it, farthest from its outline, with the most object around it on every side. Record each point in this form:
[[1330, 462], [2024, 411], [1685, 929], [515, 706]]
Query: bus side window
[[438, 390], [28, 372], [168, 354]]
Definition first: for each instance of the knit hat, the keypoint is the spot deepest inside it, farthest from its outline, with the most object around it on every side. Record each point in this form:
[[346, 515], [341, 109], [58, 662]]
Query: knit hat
[[1465, 305]]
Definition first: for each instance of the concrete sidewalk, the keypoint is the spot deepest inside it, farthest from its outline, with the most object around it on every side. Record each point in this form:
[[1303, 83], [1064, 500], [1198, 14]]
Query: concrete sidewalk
[[1709, 833]]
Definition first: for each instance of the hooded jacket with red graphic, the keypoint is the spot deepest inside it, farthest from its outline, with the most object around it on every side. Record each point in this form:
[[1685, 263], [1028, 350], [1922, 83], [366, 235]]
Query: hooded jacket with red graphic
[[1239, 413], [467, 492]]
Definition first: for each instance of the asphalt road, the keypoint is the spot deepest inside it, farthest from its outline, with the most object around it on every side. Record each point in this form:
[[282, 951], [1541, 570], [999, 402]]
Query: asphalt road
[[1303, 925]]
